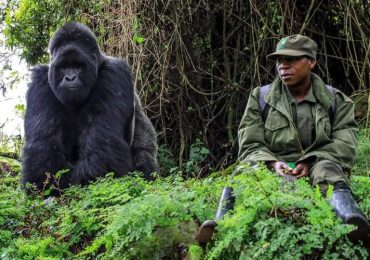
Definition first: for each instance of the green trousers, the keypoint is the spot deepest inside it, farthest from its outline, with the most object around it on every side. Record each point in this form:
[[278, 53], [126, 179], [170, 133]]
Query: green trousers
[[326, 172]]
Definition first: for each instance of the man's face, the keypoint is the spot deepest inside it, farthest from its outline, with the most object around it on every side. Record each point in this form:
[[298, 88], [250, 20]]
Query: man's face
[[294, 71]]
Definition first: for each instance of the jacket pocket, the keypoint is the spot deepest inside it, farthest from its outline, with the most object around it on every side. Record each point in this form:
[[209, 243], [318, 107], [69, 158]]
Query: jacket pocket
[[278, 133], [323, 131], [275, 122], [323, 124]]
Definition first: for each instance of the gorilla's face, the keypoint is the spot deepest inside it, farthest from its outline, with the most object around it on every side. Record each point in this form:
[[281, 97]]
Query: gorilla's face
[[73, 73]]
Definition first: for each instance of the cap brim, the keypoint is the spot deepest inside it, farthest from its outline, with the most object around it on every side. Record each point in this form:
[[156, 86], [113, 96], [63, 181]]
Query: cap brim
[[294, 53]]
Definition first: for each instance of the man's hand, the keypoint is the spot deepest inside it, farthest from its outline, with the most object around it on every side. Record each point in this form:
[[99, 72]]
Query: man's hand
[[281, 168], [301, 170]]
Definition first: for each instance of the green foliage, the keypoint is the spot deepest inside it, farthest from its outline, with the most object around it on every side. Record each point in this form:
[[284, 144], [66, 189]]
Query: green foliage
[[362, 166], [166, 160], [21, 109], [137, 38], [130, 218], [10, 146], [193, 167], [197, 157], [273, 224], [12, 206], [195, 252], [8, 167], [29, 24], [32, 18]]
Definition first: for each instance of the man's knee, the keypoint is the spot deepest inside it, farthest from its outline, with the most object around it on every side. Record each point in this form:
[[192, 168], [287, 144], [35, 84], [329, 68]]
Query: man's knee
[[327, 172]]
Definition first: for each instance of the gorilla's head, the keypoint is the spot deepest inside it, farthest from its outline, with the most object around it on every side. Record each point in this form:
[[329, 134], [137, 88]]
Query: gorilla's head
[[75, 62]]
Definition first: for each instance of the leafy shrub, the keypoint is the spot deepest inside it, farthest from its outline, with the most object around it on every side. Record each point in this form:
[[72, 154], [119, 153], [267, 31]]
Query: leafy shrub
[[166, 160], [197, 159], [362, 166], [130, 218], [275, 222]]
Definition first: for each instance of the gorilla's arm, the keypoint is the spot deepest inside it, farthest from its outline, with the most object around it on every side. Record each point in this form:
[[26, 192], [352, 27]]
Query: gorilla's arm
[[44, 150], [102, 146], [144, 145]]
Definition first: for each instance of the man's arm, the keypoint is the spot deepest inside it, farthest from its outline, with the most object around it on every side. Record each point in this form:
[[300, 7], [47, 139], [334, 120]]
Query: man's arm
[[252, 144]]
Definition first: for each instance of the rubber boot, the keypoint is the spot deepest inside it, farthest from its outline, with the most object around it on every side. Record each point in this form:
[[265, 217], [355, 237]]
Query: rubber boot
[[348, 210], [208, 227]]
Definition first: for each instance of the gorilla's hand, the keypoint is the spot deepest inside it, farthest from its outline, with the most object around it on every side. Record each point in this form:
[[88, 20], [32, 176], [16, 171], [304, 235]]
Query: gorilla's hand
[[101, 148]]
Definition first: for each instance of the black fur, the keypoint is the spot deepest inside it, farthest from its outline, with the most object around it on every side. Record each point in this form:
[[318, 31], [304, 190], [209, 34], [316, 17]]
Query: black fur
[[79, 115], [144, 146]]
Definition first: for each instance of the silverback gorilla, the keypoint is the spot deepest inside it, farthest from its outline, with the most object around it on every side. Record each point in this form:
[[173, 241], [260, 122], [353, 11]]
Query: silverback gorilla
[[83, 115]]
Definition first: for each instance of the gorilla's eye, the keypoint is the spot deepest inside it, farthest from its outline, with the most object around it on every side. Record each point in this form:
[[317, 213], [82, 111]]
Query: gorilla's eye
[[70, 65], [78, 65]]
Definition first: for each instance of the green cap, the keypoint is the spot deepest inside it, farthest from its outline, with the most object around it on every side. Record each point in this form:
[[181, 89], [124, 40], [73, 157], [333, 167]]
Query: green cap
[[295, 45]]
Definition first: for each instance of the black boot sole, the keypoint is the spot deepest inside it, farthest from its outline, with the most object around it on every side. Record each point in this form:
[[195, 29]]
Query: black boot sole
[[206, 231], [363, 229]]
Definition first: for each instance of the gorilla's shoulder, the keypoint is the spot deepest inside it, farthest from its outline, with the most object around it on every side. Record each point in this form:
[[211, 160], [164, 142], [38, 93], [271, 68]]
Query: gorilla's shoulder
[[116, 70], [40, 72], [116, 64], [39, 80]]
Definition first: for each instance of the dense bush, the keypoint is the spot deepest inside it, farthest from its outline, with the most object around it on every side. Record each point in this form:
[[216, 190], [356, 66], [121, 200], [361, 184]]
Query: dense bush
[[130, 218], [362, 166]]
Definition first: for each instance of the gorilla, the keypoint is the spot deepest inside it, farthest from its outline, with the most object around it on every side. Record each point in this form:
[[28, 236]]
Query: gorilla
[[83, 116]]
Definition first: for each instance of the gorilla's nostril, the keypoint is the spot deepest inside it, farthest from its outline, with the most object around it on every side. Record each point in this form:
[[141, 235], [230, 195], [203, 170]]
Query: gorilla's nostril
[[70, 78]]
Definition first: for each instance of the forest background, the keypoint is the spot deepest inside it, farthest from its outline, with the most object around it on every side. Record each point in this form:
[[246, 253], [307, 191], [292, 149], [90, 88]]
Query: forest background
[[194, 64]]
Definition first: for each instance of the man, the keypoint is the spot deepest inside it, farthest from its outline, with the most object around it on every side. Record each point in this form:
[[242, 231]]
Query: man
[[300, 127], [300, 120]]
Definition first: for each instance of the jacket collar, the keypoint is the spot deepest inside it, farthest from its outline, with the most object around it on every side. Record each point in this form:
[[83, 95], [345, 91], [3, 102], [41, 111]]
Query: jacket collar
[[277, 97]]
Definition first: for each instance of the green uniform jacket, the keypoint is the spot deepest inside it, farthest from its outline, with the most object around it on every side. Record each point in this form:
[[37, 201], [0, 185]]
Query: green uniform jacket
[[276, 139]]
